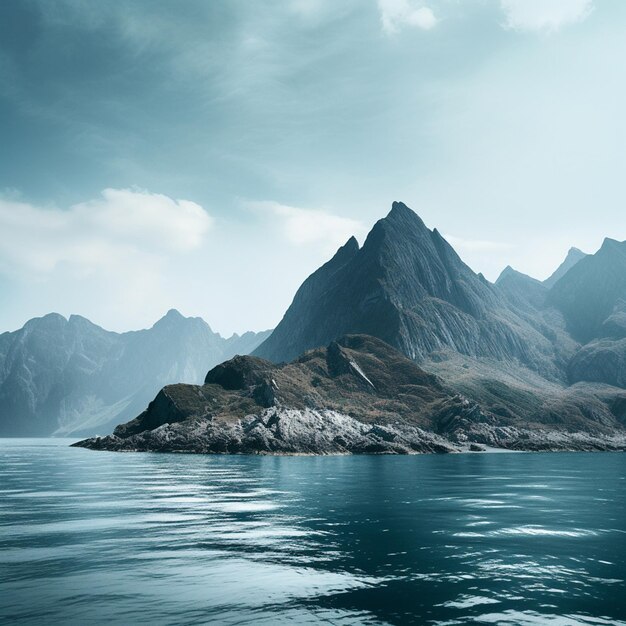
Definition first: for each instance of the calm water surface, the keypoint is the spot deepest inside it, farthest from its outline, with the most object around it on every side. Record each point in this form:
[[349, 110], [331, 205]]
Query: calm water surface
[[175, 539]]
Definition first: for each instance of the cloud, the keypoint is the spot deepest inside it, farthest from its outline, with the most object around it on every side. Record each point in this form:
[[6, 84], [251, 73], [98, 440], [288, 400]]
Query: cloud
[[544, 15], [396, 14], [310, 226], [122, 228]]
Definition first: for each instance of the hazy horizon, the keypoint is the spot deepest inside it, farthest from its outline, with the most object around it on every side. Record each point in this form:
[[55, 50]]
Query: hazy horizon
[[209, 158]]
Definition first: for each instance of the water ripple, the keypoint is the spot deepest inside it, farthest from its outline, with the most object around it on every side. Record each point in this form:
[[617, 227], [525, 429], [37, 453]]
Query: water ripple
[[463, 539]]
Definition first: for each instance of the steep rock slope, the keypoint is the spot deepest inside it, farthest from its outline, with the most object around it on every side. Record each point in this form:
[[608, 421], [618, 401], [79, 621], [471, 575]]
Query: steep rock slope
[[358, 395], [61, 376], [408, 287]]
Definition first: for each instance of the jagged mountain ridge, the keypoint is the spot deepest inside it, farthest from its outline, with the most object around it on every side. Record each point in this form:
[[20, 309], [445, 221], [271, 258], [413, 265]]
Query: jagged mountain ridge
[[408, 287], [62, 376]]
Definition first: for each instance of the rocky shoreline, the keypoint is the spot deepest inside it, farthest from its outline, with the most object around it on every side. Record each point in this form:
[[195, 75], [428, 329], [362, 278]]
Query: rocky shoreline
[[313, 432], [356, 396]]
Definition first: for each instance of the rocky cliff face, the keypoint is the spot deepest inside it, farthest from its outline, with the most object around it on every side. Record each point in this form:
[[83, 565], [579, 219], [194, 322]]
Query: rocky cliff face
[[408, 287], [67, 376], [358, 395]]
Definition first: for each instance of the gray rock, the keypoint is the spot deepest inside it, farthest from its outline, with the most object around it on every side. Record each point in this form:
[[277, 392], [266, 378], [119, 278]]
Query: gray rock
[[358, 396]]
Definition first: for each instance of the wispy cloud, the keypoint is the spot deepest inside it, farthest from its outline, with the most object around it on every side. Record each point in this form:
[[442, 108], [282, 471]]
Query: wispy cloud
[[122, 228], [310, 226], [544, 15], [398, 14]]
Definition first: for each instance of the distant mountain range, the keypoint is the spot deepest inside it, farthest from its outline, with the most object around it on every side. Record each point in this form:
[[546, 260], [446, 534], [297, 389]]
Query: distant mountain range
[[70, 377], [542, 364]]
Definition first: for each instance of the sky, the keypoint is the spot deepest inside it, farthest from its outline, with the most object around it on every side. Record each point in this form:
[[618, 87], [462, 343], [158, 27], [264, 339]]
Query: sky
[[208, 156]]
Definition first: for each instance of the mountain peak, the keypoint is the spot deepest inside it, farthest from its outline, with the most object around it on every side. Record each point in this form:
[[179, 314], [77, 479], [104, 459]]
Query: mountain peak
[[49, 319], [349, 248], [612, 244], [574, 255], [398, 206], [507, 271], [407, 286], [174, 314], [402, 214], [175, 319], [588, 293], [351, 243]]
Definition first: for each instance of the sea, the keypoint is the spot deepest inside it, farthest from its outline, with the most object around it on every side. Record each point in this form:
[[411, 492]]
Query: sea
[[520, 539]]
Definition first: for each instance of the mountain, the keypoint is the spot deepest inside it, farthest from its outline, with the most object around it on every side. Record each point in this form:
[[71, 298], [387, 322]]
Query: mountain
[[422, 354], [592, 298], [408, 287], [573, 256], [592, 294], [62, 376], [357, 395], [521, 290]]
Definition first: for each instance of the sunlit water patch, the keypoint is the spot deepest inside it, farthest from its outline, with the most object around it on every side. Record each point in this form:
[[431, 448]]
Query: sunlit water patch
[[181, 539]]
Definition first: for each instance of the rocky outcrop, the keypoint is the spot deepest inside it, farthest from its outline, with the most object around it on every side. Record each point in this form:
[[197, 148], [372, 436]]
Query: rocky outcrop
[[358, 395], [280, 431], [602, 361]]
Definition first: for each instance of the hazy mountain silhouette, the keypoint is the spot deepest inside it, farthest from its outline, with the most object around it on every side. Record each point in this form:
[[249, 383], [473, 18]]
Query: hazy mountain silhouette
[[592, 298], [573, 256], [66, 376], [591, 294]]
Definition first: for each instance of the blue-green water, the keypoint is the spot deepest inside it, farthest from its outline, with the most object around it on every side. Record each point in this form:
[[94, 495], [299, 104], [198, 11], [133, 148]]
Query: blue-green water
[[180, 539]]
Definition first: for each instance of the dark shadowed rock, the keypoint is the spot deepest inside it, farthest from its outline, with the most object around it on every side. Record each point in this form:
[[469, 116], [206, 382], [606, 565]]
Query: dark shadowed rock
[[602, 361], [240, 372]]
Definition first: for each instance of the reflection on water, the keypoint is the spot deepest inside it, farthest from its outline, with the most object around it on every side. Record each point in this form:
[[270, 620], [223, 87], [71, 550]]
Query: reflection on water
[[460, 539]]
